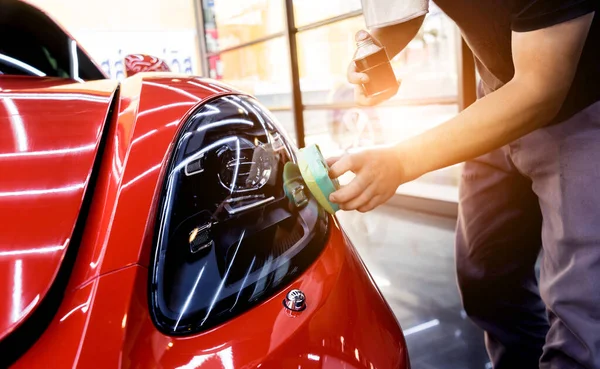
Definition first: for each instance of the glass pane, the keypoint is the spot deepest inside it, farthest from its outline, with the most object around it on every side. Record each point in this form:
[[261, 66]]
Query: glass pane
[[262, 70], [311, 11], [162, 28], [229, 23], [427, 66], [337, 130], [38, 47]]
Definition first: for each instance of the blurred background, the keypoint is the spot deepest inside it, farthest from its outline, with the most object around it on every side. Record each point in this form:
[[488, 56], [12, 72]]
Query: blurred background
[[293, 55], [245, 43]]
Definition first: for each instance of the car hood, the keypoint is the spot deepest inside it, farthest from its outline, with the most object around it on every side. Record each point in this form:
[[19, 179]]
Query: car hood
[[50, 131]]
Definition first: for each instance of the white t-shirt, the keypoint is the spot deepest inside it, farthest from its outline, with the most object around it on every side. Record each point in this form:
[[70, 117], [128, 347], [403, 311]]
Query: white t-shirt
[[381, 13]]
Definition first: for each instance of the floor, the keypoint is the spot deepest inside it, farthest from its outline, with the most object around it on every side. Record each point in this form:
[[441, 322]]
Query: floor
[[411, 257]]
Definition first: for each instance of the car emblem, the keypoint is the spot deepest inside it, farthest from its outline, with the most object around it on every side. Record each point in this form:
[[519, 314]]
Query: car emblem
[[295, 300]]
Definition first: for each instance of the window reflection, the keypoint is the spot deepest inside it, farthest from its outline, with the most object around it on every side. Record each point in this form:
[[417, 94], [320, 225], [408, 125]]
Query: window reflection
[[20, 66], [223, 357], [17, 295], [35, 250], [56, 152], [46, 191], [16, 124]]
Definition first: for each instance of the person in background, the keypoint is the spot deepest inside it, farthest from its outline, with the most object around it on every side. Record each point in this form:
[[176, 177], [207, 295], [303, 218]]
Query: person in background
[[531, 180], [354, 127]]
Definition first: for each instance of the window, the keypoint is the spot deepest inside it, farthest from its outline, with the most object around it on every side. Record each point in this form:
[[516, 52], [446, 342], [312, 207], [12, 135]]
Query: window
[[230, 23], [32, 44], [427, 68], [311, 11], [339, 129], [261, 69], [323, 57], [165, 29], [247, 47]]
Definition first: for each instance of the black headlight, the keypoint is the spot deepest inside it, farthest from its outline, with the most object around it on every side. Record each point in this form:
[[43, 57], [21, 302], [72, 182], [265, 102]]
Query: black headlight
[[227, 236]]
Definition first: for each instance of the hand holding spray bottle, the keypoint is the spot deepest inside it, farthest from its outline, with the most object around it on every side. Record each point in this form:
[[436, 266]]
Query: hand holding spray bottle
[[370, 57]]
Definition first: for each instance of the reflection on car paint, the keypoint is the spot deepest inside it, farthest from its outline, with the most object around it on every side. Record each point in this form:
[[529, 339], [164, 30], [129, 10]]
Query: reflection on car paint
[[46, 171], [19, 64], [103, 319]]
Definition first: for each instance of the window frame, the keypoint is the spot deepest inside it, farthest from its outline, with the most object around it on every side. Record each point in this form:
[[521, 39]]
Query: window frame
[[466, 74]]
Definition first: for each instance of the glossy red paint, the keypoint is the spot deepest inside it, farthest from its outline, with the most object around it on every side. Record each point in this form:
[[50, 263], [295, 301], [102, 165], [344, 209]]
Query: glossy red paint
[[136, 63], [103, 321], [151, 109], [346, 324], [47, 151]]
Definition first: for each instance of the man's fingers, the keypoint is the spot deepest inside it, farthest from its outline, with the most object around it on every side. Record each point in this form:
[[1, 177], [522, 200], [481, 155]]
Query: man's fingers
[[348, 192], [357, 78], [363, 100], [361, 200], [360, 97], [341, 166], [372, 204], [332, 160]]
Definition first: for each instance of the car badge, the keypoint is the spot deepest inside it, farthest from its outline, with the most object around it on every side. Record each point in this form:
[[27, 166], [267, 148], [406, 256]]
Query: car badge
[[295, 300]]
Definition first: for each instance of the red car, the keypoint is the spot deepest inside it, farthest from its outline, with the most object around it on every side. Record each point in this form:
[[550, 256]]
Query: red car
[[144, 224]]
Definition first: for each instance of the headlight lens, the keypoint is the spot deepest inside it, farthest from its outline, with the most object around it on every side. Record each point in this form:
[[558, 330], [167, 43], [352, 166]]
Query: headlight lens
[[227, 236]]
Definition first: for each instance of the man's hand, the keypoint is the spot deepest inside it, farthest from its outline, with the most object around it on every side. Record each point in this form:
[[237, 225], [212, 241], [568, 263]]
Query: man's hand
[[379, 172], [545, 65]]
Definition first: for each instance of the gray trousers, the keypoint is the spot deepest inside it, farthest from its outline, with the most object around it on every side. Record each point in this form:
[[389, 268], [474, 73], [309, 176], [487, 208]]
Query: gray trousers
[[541, 192]]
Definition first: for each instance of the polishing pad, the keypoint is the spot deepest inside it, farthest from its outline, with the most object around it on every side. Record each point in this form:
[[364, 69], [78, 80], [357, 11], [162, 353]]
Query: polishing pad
[[315, 173]]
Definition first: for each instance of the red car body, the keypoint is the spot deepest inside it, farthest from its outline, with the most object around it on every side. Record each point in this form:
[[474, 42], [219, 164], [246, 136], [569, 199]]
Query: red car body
[[82, 166]]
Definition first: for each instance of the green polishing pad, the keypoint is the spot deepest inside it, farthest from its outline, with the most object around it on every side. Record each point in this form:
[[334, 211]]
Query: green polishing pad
[[315, 173]]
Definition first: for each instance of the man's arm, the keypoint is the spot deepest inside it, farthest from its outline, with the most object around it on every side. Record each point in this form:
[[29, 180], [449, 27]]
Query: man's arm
[[397, 36], [545, 64]]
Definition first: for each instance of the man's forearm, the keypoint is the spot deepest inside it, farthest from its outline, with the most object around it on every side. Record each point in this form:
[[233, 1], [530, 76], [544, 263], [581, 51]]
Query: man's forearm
[[395, 38], [545, 64], [493, 121]]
